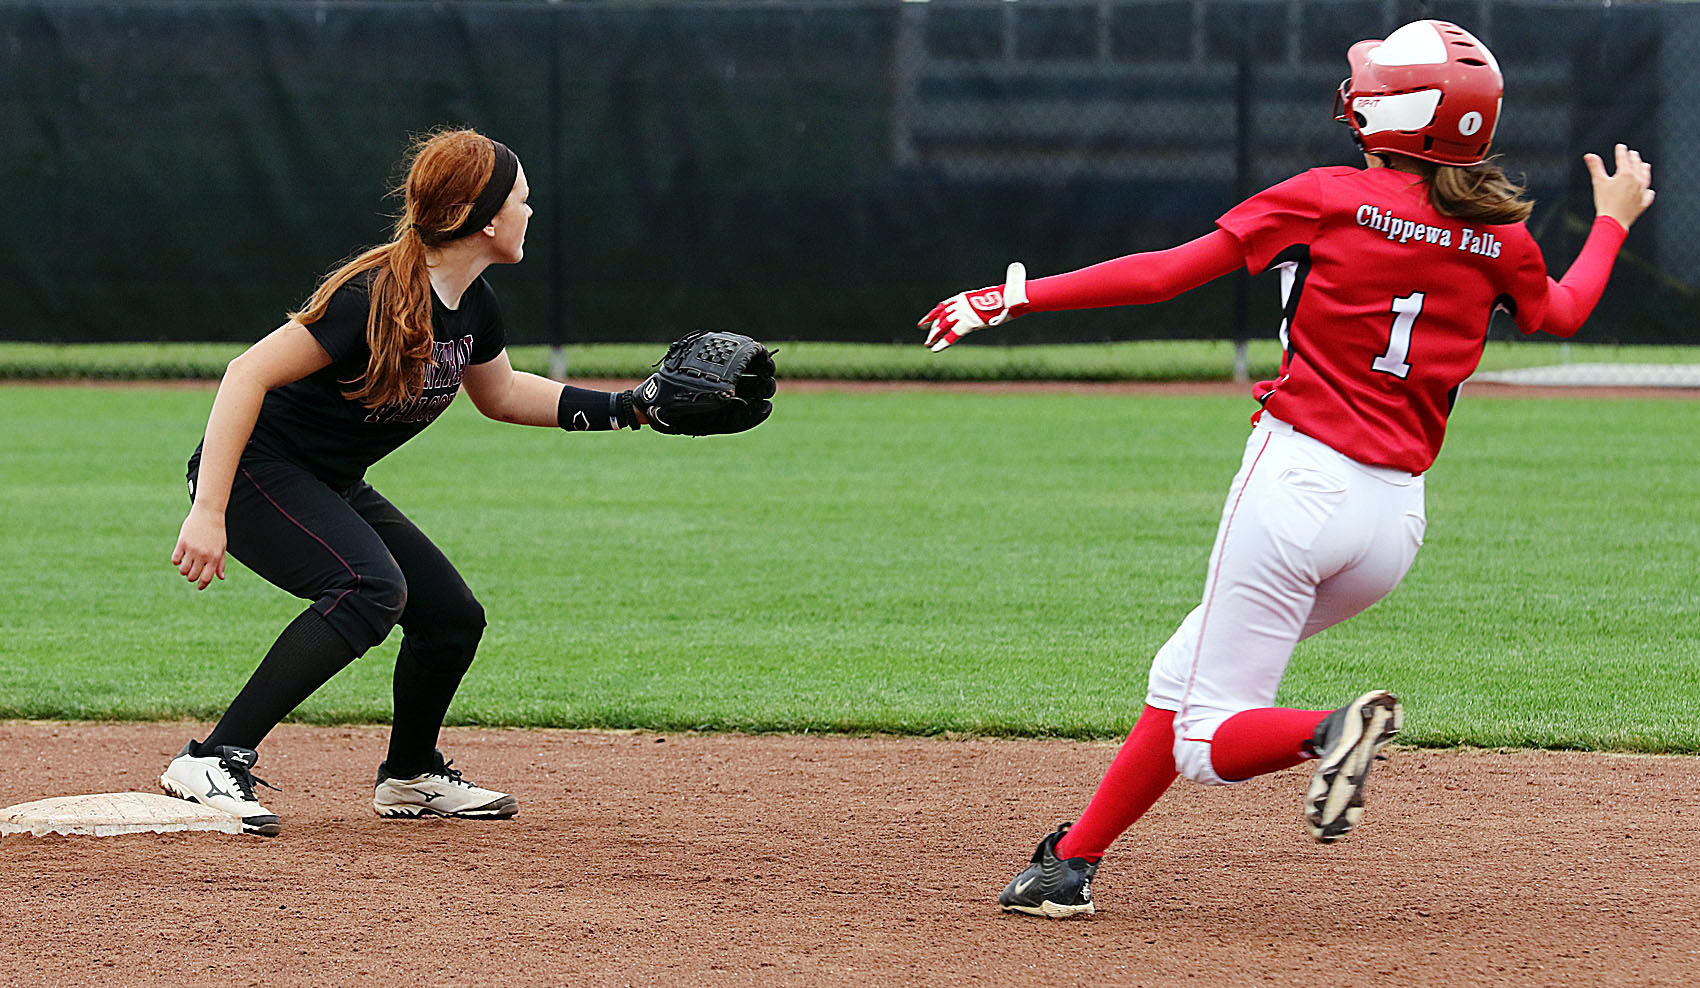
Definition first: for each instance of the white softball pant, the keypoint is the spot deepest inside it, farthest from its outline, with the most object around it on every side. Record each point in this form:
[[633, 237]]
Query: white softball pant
[[1308, 538]]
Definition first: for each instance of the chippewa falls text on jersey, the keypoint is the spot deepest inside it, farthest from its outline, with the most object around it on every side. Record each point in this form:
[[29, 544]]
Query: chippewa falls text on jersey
[[1403, 230]]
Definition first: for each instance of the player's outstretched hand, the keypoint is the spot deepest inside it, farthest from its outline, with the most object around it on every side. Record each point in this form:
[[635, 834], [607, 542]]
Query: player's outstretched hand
[[199, 555], [1625, 195], [963, 313]]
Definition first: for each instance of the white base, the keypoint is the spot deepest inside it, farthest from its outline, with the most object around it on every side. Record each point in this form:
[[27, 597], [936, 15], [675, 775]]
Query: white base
[[112, 813]]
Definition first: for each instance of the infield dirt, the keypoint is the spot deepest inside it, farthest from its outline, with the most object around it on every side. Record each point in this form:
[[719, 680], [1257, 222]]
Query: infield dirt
[[643, 859]]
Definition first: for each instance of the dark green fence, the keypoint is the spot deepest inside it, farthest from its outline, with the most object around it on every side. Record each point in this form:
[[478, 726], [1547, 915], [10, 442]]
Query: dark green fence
[[811, 170]]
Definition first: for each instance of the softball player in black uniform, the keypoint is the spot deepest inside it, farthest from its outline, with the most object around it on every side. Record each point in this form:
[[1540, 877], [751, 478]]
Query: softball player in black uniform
[[378, 352]]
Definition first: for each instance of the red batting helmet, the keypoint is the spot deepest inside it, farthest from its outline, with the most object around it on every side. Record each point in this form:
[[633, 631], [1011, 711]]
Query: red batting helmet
[[1430, 91]]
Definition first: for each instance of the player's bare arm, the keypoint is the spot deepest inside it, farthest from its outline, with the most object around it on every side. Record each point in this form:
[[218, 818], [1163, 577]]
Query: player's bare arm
[[506, 395], [288, 353]]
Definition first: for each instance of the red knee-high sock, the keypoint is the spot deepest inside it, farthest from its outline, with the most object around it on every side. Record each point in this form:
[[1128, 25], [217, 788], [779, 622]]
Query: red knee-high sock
[[1268, 739], [1142, 772]]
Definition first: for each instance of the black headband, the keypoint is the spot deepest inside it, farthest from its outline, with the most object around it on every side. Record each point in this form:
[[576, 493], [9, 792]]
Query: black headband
[[494, 194]]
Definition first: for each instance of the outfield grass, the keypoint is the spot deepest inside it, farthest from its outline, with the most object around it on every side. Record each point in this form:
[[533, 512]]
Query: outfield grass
[[1153, 360], [906, 561]]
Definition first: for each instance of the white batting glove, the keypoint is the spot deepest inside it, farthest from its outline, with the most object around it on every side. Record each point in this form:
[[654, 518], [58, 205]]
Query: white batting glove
[[962, 314]]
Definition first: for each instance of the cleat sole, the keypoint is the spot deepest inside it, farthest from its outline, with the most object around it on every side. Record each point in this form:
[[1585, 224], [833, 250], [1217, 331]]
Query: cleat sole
[[263, 826], [1334, 802], [501, 809]]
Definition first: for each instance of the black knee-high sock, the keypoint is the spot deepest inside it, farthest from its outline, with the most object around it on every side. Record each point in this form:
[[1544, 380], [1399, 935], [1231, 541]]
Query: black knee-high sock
[[304, 658], [422, 696]]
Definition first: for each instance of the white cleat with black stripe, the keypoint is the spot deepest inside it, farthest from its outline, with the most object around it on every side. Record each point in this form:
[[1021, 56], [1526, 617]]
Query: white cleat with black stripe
[[439, 791], [1345, 744], [223, 779], [1052, 887]]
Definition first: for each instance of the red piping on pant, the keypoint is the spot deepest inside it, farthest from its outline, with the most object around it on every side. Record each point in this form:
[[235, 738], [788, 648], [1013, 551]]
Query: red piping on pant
[[1215, 576], [310, 534]]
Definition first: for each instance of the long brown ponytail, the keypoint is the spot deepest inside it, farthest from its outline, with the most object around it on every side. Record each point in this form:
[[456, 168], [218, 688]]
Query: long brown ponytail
[[1479, 193], [446, 170]]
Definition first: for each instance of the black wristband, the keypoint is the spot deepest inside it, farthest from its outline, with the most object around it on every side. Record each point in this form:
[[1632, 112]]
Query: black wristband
[[584, 410], [625, 411]]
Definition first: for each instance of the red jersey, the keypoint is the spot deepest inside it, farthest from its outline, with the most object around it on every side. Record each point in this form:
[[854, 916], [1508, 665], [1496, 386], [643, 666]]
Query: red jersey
[[1386, 305]]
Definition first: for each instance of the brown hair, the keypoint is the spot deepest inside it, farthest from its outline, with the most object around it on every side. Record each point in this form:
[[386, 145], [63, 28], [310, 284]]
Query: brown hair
[[446, 169], [1480, 193]]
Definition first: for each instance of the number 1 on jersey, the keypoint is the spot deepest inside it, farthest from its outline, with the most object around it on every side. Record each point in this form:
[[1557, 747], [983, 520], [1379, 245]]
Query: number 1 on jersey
[[1405, 310]]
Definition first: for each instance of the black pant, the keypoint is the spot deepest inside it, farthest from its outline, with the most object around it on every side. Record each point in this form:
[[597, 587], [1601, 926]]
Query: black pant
[[366, 568]]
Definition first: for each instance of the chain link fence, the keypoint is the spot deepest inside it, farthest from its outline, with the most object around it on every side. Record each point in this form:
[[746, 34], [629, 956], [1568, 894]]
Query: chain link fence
[[185, 169]]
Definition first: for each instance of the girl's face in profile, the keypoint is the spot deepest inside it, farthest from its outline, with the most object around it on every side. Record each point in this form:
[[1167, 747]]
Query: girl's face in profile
[[510, 223]]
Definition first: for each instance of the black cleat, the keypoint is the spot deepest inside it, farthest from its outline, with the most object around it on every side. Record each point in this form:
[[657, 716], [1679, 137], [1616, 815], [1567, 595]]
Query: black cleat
[[1052, 887], [1345, 745]]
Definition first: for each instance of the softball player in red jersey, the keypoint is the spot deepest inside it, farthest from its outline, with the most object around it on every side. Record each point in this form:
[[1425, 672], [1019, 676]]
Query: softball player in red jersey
[[1389, 277]]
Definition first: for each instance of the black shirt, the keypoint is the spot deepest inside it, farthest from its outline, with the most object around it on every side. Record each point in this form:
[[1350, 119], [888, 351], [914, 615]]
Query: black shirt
[[310, 423]]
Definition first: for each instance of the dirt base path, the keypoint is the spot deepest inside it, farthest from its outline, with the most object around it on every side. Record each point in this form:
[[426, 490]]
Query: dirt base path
[[641, 859]]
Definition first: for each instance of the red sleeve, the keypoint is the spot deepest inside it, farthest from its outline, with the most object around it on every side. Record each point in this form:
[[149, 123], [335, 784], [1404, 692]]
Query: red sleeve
[[1138, 279], [1275, 219], [1571, 301]]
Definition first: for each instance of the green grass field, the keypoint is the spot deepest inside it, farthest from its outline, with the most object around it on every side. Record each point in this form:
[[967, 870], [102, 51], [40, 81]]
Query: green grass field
[[1151, 360], [907, 561]]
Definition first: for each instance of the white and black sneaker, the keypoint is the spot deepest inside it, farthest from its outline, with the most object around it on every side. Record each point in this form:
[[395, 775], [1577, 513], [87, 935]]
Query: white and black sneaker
[[1052, 887], [223, 779], [439, 791], [1345, 744]]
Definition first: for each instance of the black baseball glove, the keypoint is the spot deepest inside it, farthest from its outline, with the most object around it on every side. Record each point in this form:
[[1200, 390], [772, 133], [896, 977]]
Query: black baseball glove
[[708, 384]]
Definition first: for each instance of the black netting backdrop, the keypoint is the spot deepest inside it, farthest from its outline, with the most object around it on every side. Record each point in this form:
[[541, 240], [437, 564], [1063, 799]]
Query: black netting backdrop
[[800, 170]]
